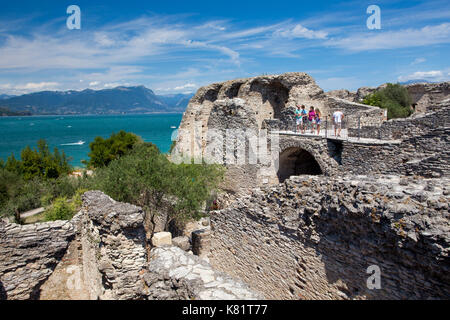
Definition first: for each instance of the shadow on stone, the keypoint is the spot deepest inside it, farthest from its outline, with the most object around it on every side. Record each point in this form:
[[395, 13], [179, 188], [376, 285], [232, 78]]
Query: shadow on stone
[[3, 294]]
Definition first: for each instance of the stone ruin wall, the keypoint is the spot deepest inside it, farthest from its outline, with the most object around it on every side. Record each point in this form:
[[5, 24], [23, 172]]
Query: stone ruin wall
[[29, 254], [103, 254], [427, 95], [424, 95], [422, 147], [265, 102], [407, 127], [315, 237], [266, 98]]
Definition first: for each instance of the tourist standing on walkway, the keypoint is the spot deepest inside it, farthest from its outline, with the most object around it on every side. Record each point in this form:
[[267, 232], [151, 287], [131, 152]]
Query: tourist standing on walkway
[[338, 116], [312, 118], [298, 118], [318, 121], [304, 118]]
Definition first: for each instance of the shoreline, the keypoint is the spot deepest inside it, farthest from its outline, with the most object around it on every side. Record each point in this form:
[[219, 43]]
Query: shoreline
[[90, 114]]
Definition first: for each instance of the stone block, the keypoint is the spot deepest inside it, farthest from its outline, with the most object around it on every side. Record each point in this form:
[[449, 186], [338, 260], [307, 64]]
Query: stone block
[[162, 238], [182, 243], [201, 242]]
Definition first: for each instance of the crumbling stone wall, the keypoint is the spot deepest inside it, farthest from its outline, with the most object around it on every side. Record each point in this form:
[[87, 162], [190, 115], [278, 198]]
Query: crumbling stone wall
[[315, 237], [405, 128], [422, 148], [425, 95], [114, 247], [426, 155], [264, 102], [28, 256]]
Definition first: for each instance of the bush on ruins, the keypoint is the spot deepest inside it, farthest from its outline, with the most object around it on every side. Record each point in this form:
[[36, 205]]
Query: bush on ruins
[[394, 97]]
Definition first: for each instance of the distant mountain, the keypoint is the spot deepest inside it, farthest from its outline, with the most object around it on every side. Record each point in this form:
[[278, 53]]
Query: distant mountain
[[177, 100], [415, 81], [109, 101], [5, 96], [7, 112]]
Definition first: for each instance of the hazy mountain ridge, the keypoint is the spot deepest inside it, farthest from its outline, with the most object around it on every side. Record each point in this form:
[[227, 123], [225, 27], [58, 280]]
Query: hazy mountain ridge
[[5, 96], [117, 100]]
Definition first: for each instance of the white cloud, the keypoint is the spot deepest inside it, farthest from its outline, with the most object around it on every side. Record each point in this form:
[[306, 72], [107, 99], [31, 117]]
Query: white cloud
[[405, 38], [28, 87], [434, 75], [186, 86], [418, 60], [94, 83], [300, 31]]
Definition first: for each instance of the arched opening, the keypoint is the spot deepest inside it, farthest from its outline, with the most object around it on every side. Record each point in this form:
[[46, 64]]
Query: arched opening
[[274, 96], [297, 161]]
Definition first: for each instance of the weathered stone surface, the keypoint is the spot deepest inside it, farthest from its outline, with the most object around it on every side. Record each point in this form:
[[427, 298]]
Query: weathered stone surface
[[342, 94], [264, 102], [162, 238], [427, 95], [182, 242], [29, 254], [314, 237], [113, 245], [423, 147], [176, 275], [201, 242]]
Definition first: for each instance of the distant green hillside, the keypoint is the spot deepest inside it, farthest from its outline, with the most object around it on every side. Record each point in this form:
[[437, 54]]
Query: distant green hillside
[[109, 101], [6, 112]]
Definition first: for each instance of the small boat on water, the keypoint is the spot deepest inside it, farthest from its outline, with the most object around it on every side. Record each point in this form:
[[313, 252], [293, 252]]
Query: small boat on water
[[173, 127]]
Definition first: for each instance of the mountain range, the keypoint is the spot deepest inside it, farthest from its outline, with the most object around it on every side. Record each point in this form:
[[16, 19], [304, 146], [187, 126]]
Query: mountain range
[[137, 99]]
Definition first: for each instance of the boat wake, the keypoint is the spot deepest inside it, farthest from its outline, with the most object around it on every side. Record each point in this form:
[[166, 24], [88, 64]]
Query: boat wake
[[79, 143]]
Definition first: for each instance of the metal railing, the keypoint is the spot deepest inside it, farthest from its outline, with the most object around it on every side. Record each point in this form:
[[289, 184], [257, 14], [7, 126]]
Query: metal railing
[[350, 127]]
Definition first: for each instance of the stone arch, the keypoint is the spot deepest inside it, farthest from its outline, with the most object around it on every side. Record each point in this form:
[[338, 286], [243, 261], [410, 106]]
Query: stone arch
[[308, 151], [295, 161]]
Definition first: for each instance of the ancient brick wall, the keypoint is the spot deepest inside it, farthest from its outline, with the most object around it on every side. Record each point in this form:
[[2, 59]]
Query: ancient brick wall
[[315, 237]]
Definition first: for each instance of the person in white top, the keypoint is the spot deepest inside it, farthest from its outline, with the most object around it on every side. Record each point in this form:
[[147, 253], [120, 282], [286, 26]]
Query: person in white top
[[338, 116]]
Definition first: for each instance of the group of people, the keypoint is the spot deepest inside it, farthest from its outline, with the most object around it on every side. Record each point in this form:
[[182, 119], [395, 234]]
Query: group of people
[[306, 119], [312, 119]]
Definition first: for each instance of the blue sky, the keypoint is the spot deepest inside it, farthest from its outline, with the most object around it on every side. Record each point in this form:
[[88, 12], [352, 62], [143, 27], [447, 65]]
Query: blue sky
[[178, 46]]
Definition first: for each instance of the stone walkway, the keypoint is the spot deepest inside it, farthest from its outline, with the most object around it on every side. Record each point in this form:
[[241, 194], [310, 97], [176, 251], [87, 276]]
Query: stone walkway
[[176, 274], [344, 137]]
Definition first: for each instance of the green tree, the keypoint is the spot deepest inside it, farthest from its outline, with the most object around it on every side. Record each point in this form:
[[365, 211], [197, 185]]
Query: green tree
[[146, 177], [103, 151], [394, 97], [39, 162]]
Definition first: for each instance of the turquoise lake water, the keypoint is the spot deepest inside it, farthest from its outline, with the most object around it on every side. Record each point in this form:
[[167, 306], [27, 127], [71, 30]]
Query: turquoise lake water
[[18, 132]]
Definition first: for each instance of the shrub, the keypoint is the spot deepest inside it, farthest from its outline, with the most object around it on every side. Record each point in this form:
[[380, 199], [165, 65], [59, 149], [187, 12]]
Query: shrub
[[59, 210], [76, 200], [394, 97]]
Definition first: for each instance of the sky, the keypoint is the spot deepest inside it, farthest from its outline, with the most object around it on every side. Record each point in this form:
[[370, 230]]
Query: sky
[[178, 46]]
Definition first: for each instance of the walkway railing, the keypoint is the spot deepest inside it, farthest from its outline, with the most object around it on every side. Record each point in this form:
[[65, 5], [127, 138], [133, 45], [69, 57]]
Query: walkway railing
[[351, 127]]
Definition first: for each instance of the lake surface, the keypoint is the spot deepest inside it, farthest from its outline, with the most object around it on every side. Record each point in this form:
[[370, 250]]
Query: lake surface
[[64, 131]]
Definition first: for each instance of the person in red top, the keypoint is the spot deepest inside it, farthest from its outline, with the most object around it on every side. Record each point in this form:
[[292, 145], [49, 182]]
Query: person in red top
[[312, 118]]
